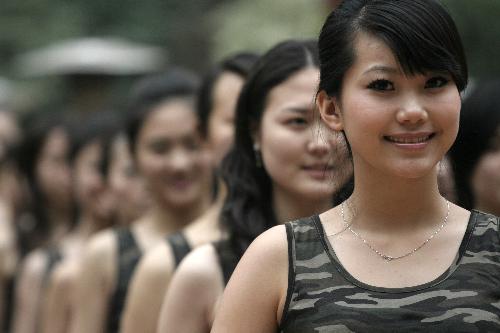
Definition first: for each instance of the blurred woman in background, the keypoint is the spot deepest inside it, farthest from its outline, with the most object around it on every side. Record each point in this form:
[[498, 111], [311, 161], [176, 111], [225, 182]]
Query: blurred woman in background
[[11, 203], [127, 187], [90, 157], [216, 107], [476, 152], [174, 163], [43, 160]]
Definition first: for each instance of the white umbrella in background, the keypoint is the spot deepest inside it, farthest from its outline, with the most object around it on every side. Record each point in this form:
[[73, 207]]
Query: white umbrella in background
[[91, 56]]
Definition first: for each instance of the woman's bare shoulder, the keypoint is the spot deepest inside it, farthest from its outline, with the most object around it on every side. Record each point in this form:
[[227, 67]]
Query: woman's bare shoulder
[[157, 262]]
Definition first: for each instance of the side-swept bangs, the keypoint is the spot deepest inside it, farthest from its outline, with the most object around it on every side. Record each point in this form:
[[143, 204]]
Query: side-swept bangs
[[422, 36]]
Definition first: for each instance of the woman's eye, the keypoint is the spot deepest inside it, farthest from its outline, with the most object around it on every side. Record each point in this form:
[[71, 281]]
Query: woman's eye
[[297, 121], [381, 85], [436, 82], [159, 147], [192, 144]]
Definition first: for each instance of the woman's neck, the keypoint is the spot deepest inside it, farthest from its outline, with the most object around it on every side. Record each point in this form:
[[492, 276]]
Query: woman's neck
[[87, 226], [171, 219], [288, 207], [386, 202], [59, 222]]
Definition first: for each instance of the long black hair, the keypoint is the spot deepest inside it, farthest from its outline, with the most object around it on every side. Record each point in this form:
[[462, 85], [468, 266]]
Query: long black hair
[[479, 125], [420, 33], [248, 209]]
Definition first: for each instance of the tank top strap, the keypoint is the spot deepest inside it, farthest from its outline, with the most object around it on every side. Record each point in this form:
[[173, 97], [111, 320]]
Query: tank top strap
[[179, 245], [485, 230], [53, 257], [308, 261], [227, 257], [128, 256]]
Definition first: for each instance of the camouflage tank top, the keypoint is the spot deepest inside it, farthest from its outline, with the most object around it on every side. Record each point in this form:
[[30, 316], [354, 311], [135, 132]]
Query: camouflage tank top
[[323, 297]]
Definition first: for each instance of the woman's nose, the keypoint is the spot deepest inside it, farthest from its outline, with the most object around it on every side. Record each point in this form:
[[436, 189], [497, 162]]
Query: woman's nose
[[412, 112], [318, 146]]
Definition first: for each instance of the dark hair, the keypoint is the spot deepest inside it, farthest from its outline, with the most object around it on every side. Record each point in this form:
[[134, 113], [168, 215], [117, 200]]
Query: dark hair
[[37, 127], [239, 64], [101, 127], [420, 33], [154, 90], [479, 123], [247, 210]]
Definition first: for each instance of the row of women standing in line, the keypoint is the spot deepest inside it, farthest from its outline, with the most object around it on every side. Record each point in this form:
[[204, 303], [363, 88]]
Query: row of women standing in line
[[133, 185], [81, 281], [282, 167]]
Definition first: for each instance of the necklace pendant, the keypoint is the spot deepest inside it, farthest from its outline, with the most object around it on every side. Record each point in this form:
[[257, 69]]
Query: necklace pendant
[[387, 258]]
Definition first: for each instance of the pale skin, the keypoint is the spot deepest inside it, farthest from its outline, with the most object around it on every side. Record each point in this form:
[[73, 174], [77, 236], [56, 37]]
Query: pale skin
[[28, 292], [155, 270], [177, 173], [286, 121], [60, 295], [92, 195], [53, 178], [8, 252], [153, 274], [395, 205]]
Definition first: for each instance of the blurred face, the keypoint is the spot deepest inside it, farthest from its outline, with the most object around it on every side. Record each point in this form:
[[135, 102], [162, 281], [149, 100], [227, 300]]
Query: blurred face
[[298, 160], [127, 187], [9, 132], [91, 191], [486, 179], [171, 157], [446, 182], [52, 169], [396, 124], [221, 122]]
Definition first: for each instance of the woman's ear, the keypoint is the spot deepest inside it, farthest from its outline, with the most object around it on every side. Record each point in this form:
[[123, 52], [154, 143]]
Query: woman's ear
[[329, 110]]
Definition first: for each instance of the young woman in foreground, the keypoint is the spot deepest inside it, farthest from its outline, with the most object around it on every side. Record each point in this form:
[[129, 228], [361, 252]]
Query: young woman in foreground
[[395, 256], [279, 169]]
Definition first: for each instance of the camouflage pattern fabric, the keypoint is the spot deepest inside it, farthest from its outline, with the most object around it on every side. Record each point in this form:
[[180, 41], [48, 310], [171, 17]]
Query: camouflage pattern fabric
[[324, 297]]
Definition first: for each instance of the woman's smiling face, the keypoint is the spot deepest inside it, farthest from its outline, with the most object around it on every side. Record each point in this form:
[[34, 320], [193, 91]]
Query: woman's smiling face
[[171, 155], [395, 122]]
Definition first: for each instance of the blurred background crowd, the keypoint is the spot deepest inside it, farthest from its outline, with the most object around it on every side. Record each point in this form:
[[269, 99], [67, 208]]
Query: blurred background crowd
[[79, 82]]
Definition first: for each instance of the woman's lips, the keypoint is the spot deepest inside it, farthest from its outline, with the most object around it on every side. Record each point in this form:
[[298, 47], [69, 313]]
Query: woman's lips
[[319, 171], [410, 141]]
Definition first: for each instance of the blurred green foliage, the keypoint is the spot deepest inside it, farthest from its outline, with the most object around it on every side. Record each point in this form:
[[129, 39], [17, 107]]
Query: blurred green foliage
[[197, 32], [259, 24], [479, 25], [176, 25]]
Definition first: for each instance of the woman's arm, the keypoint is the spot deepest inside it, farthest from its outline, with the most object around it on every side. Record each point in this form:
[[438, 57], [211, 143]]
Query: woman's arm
[[28, 293], [254, 296], [146, 291], [94, 284], [193, 292], [57, 303]]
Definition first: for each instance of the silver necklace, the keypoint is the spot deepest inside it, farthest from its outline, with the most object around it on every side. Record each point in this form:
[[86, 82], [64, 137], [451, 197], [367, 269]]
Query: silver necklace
[[386, 257]]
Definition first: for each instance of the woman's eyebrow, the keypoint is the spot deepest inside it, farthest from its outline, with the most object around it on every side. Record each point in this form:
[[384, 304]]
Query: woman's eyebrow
[[296, 109], [382, 68]]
